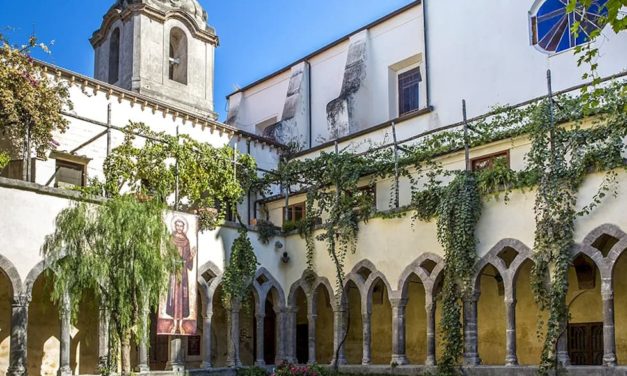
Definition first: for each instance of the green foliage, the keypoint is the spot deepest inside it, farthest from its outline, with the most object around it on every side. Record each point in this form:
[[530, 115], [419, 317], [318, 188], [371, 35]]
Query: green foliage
[[458, 213], [120, 250], [252, 371], [294, 370], [240, 271], [266, 230], [208, 177], [4, 160], [30, 100]]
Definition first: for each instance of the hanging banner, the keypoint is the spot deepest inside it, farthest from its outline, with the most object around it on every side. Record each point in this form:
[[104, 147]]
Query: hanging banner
[[178, 310]]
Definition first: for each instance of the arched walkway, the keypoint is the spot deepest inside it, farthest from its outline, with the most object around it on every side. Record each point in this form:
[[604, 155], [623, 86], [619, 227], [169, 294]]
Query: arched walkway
[[380, 311], [491, 316], [354, 344], [6, 296], [324, 324], [528, 317]]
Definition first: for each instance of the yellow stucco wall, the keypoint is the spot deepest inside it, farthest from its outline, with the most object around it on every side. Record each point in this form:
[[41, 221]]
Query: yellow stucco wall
[[528, 316], [324, 328], [491, 320], [415, 322], [381, 326]]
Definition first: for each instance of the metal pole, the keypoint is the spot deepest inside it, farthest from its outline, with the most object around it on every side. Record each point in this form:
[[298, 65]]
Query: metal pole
[[396, 173], [551, 120], [466, 143], [108, 129], [176, 172]]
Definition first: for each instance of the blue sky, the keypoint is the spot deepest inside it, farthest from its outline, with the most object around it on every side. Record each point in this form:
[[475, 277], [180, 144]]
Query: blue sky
[[256, 37]]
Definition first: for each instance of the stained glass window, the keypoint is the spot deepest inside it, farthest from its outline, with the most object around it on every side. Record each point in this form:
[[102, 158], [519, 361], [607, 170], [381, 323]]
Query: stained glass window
[[552, 24]]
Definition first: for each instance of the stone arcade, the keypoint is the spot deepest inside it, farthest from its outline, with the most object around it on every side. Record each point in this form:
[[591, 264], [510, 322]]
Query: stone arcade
[[400, 76]]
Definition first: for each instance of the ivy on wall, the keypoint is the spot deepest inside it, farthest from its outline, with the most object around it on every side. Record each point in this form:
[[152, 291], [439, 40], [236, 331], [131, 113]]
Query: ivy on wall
[[564, 150]]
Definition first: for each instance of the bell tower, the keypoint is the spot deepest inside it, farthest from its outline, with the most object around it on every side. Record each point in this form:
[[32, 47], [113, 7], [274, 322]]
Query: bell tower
[[163, 49]]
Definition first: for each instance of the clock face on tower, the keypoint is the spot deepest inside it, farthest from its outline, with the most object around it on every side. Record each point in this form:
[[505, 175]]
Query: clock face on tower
[[554, 29]]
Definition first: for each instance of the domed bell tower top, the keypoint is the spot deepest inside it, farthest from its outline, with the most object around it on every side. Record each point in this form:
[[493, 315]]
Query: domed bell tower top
[[163, 49]]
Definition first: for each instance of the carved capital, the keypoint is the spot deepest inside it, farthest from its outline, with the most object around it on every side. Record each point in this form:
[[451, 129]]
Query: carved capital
[[21, 300]]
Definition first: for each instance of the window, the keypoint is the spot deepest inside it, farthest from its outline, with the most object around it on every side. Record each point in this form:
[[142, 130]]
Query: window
[[552, 24], [178, 56], [114, 56], [69, 174], [488, 161], [294, 213], [408, 91]]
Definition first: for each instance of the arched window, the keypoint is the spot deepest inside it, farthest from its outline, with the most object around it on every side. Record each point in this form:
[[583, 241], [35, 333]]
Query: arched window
[[114, 56], [178, 56]]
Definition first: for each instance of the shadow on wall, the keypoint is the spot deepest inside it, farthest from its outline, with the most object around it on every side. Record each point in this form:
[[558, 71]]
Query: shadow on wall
[[5, 321]]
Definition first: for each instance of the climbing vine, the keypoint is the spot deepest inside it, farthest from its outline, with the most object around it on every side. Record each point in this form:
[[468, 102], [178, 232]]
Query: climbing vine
[[211, 181], [240, 270], [567, 144]]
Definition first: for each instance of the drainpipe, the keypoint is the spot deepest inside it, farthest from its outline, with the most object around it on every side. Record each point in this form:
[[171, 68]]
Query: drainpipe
[[309, 100], [426, 44], [248, 217]]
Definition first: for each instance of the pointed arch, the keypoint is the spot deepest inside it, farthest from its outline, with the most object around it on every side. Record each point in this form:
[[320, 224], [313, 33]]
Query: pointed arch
[[7, 267], [420, 267]]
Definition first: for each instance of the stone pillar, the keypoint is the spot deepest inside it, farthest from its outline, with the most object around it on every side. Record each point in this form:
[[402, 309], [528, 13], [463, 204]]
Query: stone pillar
[[142, 352], [176, 361], [289, 327], [206, 340], [339, 330], [609, 336], [280, 335], [260, 361], [511, 359], [398, 331], [65, 315], [471, 345], [233, 359], [103, 338], [311, 338], [562, 346], [19, 329], [367, 334], [430, 308]]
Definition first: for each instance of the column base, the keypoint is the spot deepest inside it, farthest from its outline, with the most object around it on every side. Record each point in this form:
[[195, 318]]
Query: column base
[[64, 371], [341, 361], [511, 361], [400, 360], [143, 369], [472, 360], [563, 358], [206, 365], [176, 367], [430, 362], [260, 363], [16, 371], [609, 360]]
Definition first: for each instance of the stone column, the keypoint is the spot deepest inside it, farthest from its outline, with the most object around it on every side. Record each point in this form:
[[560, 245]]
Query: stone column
[[19, 329], [511, 359], [233, 359], [260, 361], [142, 351], [609, 336], [339, 330], [430, 308], [175, 362], [280, 335], [289, 327], [367, 334], [398, 331], [562, 346], [471, 346], [65, 316], [311, 338], [103, 338], [206, 340]]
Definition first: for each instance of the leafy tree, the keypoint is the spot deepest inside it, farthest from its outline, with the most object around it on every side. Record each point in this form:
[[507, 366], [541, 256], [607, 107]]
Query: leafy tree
[[122, 251], [30, 102]]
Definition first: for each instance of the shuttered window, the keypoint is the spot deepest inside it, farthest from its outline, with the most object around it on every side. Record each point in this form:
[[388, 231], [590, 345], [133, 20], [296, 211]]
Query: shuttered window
[[408, 91]]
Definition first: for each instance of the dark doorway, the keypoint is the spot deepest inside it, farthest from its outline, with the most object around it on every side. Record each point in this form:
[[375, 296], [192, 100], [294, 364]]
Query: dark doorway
[[585, 344], [302, 343], [269, 328]]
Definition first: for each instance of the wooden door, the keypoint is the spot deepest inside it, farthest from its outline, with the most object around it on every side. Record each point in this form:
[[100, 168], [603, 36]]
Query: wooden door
[[585, 343]]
